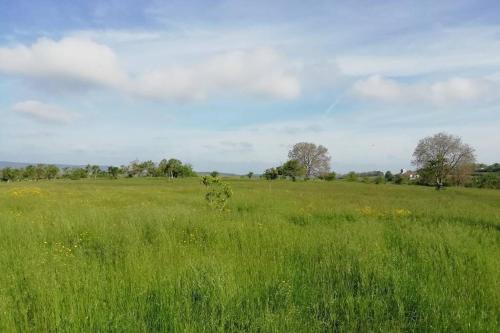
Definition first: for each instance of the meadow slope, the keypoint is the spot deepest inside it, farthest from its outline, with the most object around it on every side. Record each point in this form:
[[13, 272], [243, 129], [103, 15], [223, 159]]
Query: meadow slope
[[136, 255]]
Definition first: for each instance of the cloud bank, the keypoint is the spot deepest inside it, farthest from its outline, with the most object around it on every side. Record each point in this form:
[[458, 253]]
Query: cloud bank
[[68, 60], [440, 93], [75, 61]]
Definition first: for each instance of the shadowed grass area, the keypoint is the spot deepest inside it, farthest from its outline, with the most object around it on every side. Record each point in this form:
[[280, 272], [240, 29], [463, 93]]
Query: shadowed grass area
[[148, 255]]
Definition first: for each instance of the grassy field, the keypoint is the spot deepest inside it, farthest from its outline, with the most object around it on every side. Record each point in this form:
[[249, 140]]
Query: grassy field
[[137, 255]]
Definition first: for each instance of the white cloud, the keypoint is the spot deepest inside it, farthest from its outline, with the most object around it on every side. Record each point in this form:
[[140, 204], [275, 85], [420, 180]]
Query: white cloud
[[459, 89], [76, 60], [73, 60], [378, 87], [45, 112], [441, 93], [258, 72]]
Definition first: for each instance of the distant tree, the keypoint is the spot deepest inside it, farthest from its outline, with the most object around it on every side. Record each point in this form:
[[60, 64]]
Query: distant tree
[[135, 168], [9, 174], [40, 172], [174, 168], [495, 167], [461, 174], [75, 173], [65, 172], [186, 170], [88, 170], [388, 176], [328, 176], [370, 174], [486, 180], [163, 168], [314, 159], [124, 170], [379, 180], [271, 174], [440, 155], [95, 170], [29, 172], [399, 179], [214, 173], [292, 169], [250, 175], [279, 170], [352, 176], [113, 172], [149, 168], [51, 171]]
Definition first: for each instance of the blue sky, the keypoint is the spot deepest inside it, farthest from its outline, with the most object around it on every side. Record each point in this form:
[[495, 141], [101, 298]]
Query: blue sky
[[232, 85]]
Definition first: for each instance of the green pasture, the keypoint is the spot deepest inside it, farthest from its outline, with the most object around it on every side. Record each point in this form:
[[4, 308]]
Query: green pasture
[[146, 255]]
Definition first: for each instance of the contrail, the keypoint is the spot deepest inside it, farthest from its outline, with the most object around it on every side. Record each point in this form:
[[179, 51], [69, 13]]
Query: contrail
[[334, 104]]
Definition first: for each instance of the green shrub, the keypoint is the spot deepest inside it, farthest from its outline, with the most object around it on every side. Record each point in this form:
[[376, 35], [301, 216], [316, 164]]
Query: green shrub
[[487, 180], [271, 174], [388, 176], [328, 176], [352, 176], [218, 192], [400, 179]]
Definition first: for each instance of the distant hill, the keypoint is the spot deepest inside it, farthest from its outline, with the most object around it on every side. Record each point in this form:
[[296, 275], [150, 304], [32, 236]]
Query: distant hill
[[6, 164]]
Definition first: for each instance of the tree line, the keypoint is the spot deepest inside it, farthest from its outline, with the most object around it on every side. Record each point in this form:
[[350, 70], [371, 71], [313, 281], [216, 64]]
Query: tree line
[[476, 179], [172, 168], [440, 160]]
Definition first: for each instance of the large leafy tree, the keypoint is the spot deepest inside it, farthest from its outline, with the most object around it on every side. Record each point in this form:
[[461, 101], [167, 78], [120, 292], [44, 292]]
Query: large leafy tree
[[292, 169], [173, 168], [149, 167], [135, 169], [314, 159], [441, 155], [163, 168]]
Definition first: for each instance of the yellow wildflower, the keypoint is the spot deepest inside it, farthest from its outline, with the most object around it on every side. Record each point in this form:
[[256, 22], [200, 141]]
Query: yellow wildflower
[[367, 211], [402, 212]]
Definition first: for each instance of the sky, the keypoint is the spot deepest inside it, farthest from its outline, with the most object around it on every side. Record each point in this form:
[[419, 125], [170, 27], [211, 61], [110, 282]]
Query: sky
[[232, 85]]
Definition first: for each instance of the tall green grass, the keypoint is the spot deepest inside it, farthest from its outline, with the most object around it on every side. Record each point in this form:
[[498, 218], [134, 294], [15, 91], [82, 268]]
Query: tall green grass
[[138, 255]]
